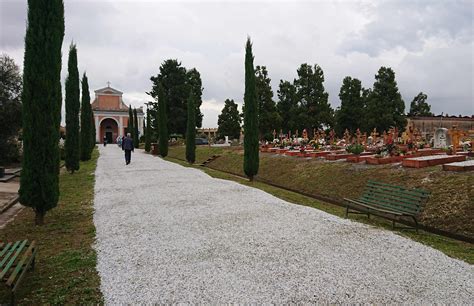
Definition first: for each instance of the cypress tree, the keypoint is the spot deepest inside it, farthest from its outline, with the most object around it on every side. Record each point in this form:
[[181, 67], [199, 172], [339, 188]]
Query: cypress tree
[[251, 158], [72, 112], [191, 129], [93, 131], [86, 123], [130, 121], [162, 122], [147, 132], [136, 141], [41, 102]]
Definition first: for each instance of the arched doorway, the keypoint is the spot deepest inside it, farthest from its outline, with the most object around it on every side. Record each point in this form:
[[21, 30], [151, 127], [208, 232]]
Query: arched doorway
[[109, 129]]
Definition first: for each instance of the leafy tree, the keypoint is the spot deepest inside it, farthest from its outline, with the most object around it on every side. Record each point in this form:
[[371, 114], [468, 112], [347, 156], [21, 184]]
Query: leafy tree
[[251, 158], [419, 106], [86, 123], [351, 113], [229, 121], [195, 87], [287, 106], [163, 122], [173, 79], [385, 107], [41, 99], [315, 110], [177, 84], [10, 108], [130, 128], [72, 144], [191, 130], [148, 132], [268, 117], [136, 140]]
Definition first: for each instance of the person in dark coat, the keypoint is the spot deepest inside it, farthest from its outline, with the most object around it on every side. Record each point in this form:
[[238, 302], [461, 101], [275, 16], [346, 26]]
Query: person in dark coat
[[105, 140], [127, 146]]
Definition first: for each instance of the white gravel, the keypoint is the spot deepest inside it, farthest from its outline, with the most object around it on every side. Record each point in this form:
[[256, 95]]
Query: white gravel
[[169, 234]]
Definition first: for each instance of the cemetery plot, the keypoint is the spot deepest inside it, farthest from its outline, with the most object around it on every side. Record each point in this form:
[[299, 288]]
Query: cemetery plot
[[433, 160], [467, 165], [359, 158]]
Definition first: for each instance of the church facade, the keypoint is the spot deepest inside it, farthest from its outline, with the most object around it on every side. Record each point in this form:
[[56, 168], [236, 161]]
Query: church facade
[[111, 115]]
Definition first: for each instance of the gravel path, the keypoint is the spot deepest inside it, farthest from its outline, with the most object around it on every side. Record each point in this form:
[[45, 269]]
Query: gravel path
[[168, 234]]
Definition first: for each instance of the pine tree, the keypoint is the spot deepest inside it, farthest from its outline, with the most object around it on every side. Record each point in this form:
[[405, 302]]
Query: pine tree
[[148, 132], [251, 150], [419, 106], [130, 121], [287, 106], [385, 107], [191, 130], [86, 123], [163, 122], [41, 98], [315, 110], [351, 113], [72, 144], [268, 117], [136, 141], [229, 121]]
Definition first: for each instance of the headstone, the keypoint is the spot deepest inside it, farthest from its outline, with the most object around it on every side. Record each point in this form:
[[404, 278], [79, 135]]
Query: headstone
[[226, 139], [440, 138]]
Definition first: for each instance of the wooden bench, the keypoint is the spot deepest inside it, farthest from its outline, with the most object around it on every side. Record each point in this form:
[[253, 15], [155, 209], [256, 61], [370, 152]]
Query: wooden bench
[[15, 258], [389, 201]]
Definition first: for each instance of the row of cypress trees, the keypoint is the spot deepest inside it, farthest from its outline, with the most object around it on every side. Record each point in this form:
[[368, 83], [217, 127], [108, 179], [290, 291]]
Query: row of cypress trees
[[80, 138], [133, 126]]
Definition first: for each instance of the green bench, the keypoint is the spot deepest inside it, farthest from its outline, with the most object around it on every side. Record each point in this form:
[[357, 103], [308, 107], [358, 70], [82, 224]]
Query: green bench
[[15, 259], [389, 201]]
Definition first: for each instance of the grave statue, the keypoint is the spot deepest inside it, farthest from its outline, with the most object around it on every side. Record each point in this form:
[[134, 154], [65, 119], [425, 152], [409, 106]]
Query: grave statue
[[305, 134], [455, 137], [358, 135], [332, 135], [347, 137], [374, 135], [440, 138]]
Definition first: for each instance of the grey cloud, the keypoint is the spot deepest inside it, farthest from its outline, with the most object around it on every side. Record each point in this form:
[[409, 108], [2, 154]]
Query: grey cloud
[[125, 42], [408, 24]]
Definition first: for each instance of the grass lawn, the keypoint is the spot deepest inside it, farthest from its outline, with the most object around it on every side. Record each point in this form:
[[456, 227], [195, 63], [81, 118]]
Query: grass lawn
[[286, 172], [65, 270]]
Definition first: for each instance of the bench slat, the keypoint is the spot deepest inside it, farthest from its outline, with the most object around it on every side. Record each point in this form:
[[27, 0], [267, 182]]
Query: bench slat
[[388, 205], [12, 260], [408, 191], [370, 206], [22, 266], [391, 198], [9, 253], [5, 249], [402, 193]]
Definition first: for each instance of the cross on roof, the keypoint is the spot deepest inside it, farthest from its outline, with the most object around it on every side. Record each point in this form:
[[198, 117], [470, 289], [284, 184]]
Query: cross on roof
[[108, 84]]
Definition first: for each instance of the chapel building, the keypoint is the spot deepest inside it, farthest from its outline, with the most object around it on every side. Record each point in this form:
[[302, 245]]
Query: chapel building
[[111, 115]]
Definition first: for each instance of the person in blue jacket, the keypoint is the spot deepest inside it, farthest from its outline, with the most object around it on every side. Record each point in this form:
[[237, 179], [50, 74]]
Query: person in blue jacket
[[127, 146]]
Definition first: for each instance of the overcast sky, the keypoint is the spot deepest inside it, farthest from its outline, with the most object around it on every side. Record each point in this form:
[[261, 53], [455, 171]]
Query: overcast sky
[[429, 44]]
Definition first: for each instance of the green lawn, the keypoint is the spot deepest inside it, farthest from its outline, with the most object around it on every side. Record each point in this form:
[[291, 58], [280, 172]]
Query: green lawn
[[341, 179], [65, 271]]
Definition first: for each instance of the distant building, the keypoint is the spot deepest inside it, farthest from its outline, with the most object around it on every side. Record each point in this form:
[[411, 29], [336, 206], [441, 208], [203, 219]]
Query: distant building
[[111, 115], [209, 132], [428, 125]]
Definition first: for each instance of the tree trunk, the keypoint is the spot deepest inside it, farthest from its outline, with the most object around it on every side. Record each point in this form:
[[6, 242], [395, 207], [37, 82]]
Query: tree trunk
[[39, 218], [251, 178]]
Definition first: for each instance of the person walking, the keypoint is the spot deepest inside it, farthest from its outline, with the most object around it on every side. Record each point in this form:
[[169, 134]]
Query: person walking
[[105, 140], [127, 146]]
